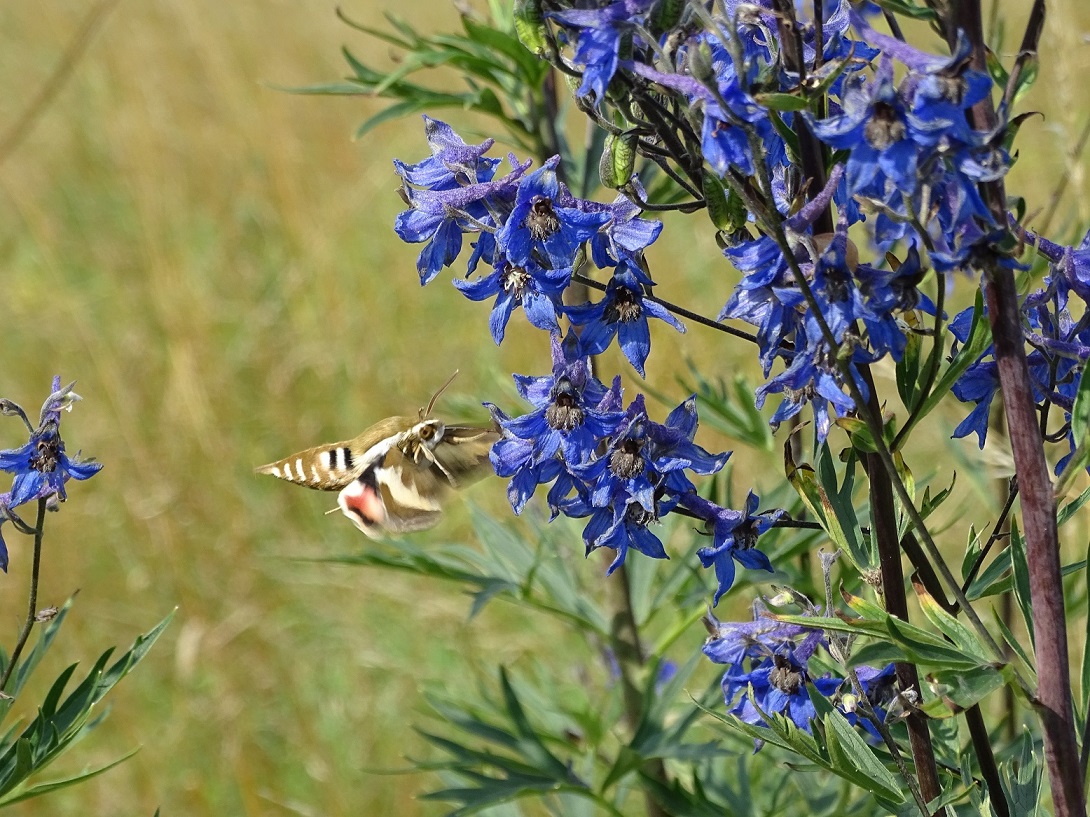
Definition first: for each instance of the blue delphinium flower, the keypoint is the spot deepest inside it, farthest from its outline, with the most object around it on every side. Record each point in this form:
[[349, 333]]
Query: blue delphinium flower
[[621, 314], [573, 413], [546, 225], [600, 35], [536, 289], [446, 194], [42, 466], [768, 671], [624, 236], [646, 461], [777, 685], [734, 537]]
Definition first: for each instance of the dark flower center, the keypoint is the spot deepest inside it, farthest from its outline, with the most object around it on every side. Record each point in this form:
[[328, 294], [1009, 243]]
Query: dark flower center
[[542, 220], [785, 676], [625, 307], [837, 287], [514, 280], [639, 515], [952, 88], [626, 462], [881, 692], [46, 455], [745, 535], [884, 128], [803, 395], [908, 297], [564, 413]]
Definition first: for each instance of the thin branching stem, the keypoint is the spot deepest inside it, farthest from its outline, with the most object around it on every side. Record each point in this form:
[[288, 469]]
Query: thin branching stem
[[681, 311]]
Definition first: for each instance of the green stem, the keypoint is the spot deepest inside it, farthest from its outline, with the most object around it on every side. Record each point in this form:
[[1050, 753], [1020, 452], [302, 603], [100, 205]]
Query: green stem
[[632, 658], [32, 605]]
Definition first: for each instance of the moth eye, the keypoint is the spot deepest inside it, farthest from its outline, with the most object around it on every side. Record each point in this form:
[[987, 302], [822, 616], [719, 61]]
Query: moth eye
[[427, 432]]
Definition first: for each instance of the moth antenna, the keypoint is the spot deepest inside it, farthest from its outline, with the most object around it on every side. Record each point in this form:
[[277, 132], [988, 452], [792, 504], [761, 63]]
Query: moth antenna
[[425, 414]]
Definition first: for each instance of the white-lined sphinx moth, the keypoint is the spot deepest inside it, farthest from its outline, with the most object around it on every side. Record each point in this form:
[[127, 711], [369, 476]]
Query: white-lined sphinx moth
[[394, 477]]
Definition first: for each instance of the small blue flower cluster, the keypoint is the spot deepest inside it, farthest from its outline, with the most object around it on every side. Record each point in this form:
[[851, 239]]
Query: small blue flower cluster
[[768, 672], [41, 467], [1058, 343], [606, 462]]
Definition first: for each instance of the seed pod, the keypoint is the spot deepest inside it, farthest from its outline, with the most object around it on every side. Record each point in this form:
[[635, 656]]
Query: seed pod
[[725, 208], [530, 26], [665, 14], [700, 63], [618, 160]]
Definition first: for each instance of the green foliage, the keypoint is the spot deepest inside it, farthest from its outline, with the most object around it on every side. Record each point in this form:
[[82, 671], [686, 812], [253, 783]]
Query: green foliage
[[62, 718]]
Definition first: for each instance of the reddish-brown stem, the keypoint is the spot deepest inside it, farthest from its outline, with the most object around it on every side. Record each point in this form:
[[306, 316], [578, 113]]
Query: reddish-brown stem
[[893, 585], [1053, 700]]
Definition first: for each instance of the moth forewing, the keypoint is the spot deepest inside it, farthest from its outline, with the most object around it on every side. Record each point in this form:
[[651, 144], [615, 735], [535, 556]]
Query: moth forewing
[[332, 466], [324, 467]]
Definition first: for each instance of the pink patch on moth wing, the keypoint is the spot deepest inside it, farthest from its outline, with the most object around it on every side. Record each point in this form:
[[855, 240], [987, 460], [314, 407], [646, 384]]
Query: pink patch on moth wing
[[361, 502]]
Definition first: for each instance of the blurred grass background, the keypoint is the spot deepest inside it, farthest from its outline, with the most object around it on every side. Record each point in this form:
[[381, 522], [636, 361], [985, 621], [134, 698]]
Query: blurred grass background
[[214, 261]]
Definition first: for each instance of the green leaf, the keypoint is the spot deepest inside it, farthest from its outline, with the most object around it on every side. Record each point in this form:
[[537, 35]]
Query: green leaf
[[909, 370], [1015, 644], [1030, 64], [1084, 685], [962, 637], [908, 9], [1021, 581], [1021, 777], [963, 688], [782, 102], [853, 758], [531, 744], [531, 69], [530, 26], [55, 785], [839, 510], [990, 581]]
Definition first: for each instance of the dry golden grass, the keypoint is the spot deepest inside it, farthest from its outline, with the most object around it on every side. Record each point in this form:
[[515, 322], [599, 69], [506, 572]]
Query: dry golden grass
[[213, 260]]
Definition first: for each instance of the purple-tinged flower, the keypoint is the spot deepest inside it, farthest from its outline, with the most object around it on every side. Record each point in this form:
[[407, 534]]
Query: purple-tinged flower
[[761, 297], [599, 45], [1072, 264], [439, 215], [886, 293], [41, 467], [621, 314], [452, 164], [778, 685], [871, 124], [734, 538], [813, 377], [624, 237], [622, 527], [733, 642]]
